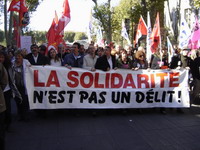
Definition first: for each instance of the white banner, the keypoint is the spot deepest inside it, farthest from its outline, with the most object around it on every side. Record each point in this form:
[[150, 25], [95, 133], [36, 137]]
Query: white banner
[[58, 87], [26, 42]]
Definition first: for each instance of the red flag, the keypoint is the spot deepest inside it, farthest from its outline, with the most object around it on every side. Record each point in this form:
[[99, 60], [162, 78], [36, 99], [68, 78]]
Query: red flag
[[155, 35], [16, 32], [65, 19], [141, 29], [51, 34], [18, 6]]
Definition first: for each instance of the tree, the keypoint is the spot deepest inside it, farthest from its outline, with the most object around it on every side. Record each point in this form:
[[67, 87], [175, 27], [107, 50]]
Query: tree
[[69, 36], [31, 4], [103, 14], [132, 9], [197, 3], [125, 10], [1, 36], [80, 36]]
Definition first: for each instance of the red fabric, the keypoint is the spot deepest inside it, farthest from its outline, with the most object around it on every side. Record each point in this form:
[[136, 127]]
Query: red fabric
[[18, 6], [51, 34], [56, 32], [16, 32], [65, 19], [155, 35], [141, 29]]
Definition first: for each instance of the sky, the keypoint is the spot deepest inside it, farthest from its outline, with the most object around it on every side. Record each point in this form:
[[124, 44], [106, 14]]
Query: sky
[[80, 11]]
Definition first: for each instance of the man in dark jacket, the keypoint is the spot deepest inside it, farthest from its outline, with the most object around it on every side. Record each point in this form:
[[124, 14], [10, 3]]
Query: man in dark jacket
[[74, 59], [35, 58], [107, 61]]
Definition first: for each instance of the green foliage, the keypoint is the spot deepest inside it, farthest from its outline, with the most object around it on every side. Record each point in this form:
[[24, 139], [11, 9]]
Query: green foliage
[[102, 14], [33, 4], [69, 36], [129, 9], [80, 36], [125, 10], [197, 3], [38, 37], [1, 36]]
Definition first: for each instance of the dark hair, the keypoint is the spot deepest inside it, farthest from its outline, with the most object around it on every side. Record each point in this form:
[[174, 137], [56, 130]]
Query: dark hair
[[49, 55], [78, 44], [34, 45], [108, 47], [42, 47], [7, 63]]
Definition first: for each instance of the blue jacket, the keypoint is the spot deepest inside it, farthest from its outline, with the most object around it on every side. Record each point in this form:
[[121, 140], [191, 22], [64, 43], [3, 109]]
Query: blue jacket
[[71, 61]]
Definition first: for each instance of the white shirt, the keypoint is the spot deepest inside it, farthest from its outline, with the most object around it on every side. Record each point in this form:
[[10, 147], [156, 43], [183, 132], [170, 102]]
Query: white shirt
[[35, 58], [55, 63], [110, 62], [89, 61]]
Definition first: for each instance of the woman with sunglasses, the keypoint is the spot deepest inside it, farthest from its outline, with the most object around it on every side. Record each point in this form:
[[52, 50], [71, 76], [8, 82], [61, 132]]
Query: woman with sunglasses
[[140, 61]]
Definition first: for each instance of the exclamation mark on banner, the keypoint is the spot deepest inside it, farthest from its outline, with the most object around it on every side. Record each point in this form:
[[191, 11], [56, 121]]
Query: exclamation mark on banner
[[179, 96]]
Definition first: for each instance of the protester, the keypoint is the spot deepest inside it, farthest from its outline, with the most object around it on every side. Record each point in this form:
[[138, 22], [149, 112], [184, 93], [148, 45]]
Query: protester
[[159, 61], [195, 70], [100, 51], [19, 68], [42, 49], [24, 52], [176, 61], [61, 52], [82, 50], [140, 61], [107, 61], [90, 59], [124, 62], [3, 83], [35, 58], [74, 59], [185, 60], [10, 89], [54, 60]]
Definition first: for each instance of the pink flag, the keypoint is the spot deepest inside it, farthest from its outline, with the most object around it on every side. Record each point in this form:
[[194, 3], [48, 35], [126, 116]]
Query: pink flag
[[65, 19], [196, 32], [194, 42]]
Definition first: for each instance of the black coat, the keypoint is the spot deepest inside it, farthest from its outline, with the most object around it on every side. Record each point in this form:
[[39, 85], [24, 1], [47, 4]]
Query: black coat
[[102, 63], [41, 60]]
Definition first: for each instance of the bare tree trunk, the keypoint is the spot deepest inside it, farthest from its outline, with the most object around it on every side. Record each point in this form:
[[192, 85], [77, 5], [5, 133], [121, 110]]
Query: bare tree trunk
[[109, 25], [10, 29], [5, 21]]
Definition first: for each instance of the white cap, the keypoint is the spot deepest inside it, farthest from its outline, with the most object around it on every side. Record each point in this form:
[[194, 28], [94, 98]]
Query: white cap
[[51, 47]]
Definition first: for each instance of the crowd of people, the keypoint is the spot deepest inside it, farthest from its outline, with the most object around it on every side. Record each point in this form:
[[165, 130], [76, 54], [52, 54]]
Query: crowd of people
[[13, 64]]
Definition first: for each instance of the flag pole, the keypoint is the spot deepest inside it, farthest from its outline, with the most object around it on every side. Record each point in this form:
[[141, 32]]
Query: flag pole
[[19, 30], [161, 55], [148, 40]]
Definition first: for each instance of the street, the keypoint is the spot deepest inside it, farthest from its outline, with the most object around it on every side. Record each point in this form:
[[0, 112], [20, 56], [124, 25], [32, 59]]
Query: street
[[108, 130]]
